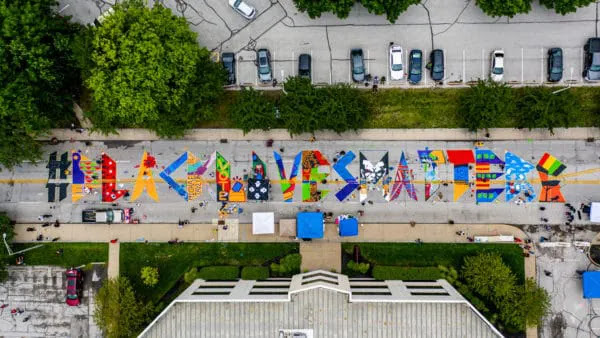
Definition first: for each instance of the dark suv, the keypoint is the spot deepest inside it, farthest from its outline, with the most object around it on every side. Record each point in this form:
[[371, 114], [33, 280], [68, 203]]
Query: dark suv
[[228, 60], [591, 69], [414, 66], [555, 64], [304, 66], [437, 65]]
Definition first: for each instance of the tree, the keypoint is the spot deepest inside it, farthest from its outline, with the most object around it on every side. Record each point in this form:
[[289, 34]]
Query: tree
[[487, 275], [7, 226], [504, 7], [486, 105], [288, 265], [527, 308], [117, 312], [298, 107], [391, 8], [566, 6], [38, 76], [148, 70], [538, 107], [149, 275], [252, 110], [314, 8]]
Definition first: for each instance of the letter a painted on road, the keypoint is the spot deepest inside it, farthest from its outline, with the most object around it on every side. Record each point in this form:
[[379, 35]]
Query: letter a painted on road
[[145, 178]]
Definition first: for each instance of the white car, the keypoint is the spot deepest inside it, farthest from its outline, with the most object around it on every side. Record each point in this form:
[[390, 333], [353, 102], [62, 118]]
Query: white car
[[497, 71], [396, 66], [243, 8]]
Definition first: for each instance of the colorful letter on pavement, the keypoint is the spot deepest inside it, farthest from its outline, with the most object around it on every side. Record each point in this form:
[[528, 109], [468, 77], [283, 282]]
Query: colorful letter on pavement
[[371, 174], [287, 185], [258, 183], [515, 173], [341, 167], [63, 167], [195, 170], [83, 179], [461, 160], [166, 175], [430, 159], [404, 178], [110, 193], [550, 166], [145, 178], [311, 161], [223, 178], [484, 159]]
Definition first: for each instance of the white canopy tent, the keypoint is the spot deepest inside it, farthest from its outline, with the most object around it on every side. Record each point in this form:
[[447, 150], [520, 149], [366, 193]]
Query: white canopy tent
[[595, 212], [263, 223]]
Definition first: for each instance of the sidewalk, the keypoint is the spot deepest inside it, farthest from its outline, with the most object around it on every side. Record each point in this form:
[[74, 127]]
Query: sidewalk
[[495, 134]]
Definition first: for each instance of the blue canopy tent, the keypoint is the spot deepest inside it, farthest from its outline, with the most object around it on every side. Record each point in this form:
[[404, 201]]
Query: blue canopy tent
[[591, 284], [348, 227], [310, 225]]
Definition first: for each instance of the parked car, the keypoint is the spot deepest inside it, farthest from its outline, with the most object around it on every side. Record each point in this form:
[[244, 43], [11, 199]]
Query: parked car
[[357, 65], [74, 286], [415, 66], [228, 60], [304, 64], [243, 8], [497, 68], [107, 216], [437, 65], [591, 68], [555, 64], [396, 66], [263, 59]]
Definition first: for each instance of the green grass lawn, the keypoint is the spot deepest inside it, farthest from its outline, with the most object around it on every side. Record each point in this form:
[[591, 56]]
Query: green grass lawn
[[434, 254], [173, 261], [74, 254]]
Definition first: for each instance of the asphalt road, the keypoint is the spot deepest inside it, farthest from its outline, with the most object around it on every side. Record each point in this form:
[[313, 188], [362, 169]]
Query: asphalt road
[[458, 27], [23, 193]]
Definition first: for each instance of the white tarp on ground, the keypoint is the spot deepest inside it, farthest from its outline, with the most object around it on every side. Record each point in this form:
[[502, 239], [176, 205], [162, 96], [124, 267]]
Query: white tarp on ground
[[263, 223], [494, 239], [595, 212]]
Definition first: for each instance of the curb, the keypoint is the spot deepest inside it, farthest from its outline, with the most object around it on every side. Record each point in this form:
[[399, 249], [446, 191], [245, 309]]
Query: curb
[[224, 135]]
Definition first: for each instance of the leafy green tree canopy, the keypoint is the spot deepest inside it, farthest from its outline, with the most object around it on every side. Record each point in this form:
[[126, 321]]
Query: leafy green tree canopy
[[7, 226], [486, 104], [504, 7], [149, 275], [538, 107], [148, 70], [341, 8], [117, 312], [527, 308], [252, 110], [391, 8], [487, 274], [38, 77], [566, 6]]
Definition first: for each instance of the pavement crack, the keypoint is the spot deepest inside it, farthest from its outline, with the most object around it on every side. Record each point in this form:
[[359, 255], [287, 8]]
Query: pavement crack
[[330, 56], [430, 24], [455, 20]]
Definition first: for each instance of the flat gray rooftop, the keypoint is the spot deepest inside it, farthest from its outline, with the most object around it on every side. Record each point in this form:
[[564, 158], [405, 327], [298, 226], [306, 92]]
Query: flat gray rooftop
[[326, 312]]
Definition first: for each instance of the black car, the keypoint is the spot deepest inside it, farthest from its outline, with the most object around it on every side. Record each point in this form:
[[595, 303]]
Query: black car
[[304, 66], [357, 65], [415, 65], [228, 60], [437, 65], [591, 69], [555, 64]]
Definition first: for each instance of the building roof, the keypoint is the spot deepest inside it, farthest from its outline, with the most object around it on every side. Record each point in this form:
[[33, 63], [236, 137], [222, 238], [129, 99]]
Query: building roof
[[320, 304]]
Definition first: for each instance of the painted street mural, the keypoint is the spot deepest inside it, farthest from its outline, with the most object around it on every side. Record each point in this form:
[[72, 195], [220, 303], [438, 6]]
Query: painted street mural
[[480, 173]]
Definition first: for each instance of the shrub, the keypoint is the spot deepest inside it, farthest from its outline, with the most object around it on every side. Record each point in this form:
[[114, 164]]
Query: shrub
[[358, 267], [487, 275], [149, 275], [288, 265], [538, 107], [382, 272], [486, 105], [252, 110], [190, 276], [219, 273], [255, 272]]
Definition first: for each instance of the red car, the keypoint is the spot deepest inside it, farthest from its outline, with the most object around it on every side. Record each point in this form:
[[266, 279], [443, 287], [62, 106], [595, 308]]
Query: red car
[[74, 286]]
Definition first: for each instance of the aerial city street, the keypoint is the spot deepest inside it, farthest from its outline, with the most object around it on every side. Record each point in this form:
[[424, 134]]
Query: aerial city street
[[300, 168]]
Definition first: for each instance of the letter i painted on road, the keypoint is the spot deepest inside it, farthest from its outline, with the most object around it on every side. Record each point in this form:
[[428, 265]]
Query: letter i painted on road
[[461, 160], [145, 178], [166, 175], [484, 159], [404, 178], [287, 184], [341, 167], [110, 193], [312, 160], [550, 166], [223, 178]]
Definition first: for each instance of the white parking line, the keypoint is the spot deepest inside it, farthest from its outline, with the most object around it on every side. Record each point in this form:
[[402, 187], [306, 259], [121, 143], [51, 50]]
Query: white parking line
[[522, 75], [405, 63], [312, 78], [581, 60], [482, 66], [237, 66], [445, 71], [464, 73], [541, 65], [388, 71], [424, 59], [293, 68], [368, 62]]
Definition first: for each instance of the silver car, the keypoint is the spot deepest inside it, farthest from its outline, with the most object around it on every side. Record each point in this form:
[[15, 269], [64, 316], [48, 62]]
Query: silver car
[[263, 64]]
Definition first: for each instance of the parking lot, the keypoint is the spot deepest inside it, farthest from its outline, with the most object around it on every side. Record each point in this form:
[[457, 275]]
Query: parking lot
[[466, 35]]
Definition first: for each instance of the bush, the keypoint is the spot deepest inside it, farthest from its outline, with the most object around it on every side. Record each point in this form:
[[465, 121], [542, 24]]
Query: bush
[[219, 273], [382, 272], [538, 107], [149, 275], [252, 110], [487, 275], [190, 276], [486, 105], [255, 272], [358, 267], [288, 265], [504, 7]]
